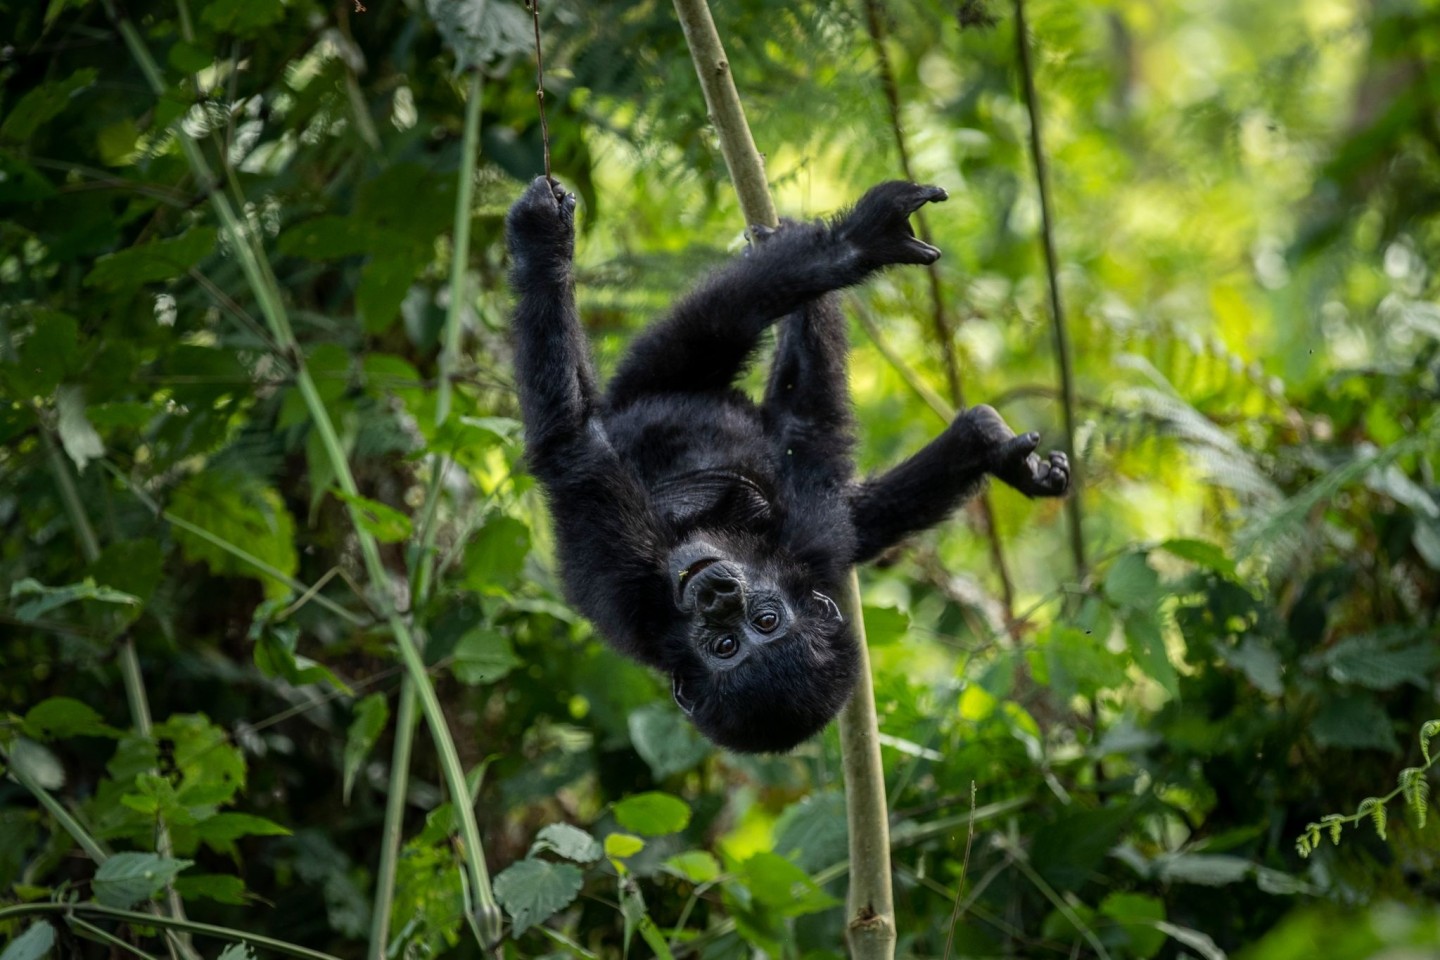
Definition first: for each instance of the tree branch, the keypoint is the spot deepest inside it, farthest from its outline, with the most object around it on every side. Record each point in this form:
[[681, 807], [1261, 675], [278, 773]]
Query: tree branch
[[871, 909]]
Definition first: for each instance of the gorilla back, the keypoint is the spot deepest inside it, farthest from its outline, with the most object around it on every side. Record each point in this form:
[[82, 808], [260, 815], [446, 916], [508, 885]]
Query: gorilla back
[[703, 534]]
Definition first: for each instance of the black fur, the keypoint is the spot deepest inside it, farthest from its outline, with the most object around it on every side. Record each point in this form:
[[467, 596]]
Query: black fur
[[705, 535]]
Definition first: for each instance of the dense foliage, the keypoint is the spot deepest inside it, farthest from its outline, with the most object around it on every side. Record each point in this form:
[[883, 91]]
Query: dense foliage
[[1171, 747]]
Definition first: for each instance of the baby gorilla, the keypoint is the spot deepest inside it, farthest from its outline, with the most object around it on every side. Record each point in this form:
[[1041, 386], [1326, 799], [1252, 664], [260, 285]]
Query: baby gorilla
[[705, 535]]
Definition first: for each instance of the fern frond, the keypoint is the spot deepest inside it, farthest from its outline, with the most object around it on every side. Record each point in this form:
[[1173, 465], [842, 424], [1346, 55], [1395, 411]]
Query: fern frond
[[1374, 808], [1428, 730], [1334, 822]]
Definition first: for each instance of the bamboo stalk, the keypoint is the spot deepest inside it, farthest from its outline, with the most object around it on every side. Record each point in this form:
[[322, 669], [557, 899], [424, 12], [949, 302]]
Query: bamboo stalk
[[870, 908], [1052, 273], [481, 907]]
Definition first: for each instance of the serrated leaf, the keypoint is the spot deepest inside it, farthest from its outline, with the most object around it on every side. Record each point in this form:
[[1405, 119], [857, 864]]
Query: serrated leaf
[[371, 715], [220, 887], [1355, 722], [33, 944], [152, 262], [778, 883], [1131, 582], [885, 625], [480, 31], [653, 814], [1374, 660], [567, 841], [61, 717], [812, 833], [237, 951], [240, 509], [532, 891], [382, 522], [41, 104], [128, 878]]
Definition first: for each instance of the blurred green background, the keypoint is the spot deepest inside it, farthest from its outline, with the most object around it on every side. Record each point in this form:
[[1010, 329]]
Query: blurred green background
[[1244, 199]]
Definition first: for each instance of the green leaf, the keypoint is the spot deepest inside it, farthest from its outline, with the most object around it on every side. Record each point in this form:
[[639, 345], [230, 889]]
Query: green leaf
[[42, 103], [237, 951], [496, 555], [1376, 660], [567, 841], [52, 598], [812, 833], [329, 238], [1130, 582], [49, 354], [33, 944], [153, 261], [482, 655], [1202, 554], [385, 524], [664, 740], [225, 827], [1260, 664], [1137, 913], [479, 31], [371, 715], [244, 18], [653, 814], [1356, 722], [240, 509], [778, 883], [60, 717], [384, 281], [116, 143], [618, 846], [885, 625], [1147, 645], [532, 891], [220, 887], [696, 866], [128, 878]]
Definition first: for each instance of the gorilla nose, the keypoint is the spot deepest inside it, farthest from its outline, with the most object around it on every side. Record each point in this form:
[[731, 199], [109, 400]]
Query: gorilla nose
[[717, 592]]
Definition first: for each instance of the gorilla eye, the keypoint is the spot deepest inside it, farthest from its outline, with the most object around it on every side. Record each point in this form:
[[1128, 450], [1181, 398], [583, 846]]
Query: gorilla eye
[[766, 621], [726, 647]]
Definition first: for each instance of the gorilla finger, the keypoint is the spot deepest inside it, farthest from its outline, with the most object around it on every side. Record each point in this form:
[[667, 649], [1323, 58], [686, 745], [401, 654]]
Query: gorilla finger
[[1019, 448]]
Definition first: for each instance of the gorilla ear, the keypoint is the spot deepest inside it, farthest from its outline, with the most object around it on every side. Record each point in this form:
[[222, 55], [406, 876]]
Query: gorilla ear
[[830, 605], [678, 692]]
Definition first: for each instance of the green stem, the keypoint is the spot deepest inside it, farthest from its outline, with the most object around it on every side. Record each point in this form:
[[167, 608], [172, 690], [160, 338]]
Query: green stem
[[67, 820], [125, 657], [424, 564], [109, 939], [169, 923], [460, 247], [263, 286], [239, 553], [1052, 273], [870, 908]]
